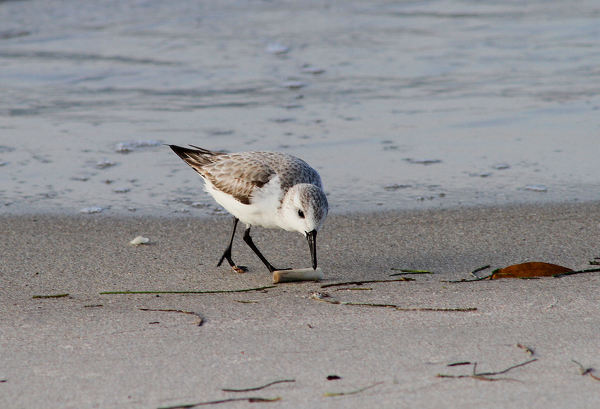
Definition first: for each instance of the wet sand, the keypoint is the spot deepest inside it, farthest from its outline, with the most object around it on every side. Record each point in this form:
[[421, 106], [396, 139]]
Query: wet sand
[[88, 350]]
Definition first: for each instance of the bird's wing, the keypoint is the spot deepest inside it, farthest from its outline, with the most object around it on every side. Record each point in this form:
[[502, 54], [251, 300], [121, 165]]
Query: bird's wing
[[237, 175]]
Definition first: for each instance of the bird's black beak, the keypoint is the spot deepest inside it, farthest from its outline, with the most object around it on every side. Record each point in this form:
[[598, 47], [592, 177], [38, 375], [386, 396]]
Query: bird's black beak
[[311, 236]]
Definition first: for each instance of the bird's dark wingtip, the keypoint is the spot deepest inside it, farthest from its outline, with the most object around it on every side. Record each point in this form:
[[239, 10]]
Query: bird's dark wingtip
[[180, 151]]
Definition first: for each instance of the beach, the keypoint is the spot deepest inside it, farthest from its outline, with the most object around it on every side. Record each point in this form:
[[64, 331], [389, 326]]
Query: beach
[[449, 135], [398, 105], [88, 350]]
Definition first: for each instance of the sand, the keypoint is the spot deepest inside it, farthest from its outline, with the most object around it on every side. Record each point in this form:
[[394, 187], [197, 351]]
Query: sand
[[88, 350]]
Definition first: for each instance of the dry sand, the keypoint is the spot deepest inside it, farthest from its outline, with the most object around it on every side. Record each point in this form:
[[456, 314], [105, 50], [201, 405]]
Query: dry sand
[[89, 350]]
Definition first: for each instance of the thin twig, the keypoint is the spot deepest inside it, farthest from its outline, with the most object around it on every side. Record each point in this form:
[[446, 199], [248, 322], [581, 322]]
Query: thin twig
[[243, 290], [530, 351], [570, 273], [180, 311], [331, 394], [258, 387], [485, 376], [367, 282], [586, 371], [51, 296], [252, 399], [582, 369]]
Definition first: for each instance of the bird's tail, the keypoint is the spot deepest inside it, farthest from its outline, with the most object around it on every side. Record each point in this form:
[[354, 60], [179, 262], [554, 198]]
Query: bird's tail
[[197, 157]]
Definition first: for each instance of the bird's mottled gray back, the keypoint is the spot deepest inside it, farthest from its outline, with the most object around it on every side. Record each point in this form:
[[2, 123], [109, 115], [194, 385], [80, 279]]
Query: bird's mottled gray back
[[291, 170], [238, 174], [241, 172]]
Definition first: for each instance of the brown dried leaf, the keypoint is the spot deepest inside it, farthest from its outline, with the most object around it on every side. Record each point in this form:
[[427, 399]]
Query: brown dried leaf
[[528, 270]]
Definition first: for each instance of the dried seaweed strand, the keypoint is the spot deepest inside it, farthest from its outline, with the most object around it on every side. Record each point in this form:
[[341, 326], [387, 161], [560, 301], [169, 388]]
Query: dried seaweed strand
[[180, 311], [406, 271], [484, 376], [51, 296], [477, 270], [243, 290], [474, 274], [460, 363], [394, 306], [252, 399], [367, 282], [570, 273], [354, 289], [258, 387], [331, 394], [467, 280], [458, 309]]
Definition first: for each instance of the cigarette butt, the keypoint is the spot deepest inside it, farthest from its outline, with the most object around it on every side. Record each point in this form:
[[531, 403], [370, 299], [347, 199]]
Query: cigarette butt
[[300, 274]]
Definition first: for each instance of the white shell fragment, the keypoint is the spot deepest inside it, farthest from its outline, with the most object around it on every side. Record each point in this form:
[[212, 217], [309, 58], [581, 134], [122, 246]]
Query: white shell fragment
[[139, 240], [103, 164], [300, 274], [276, 48], [536, 188], [91, 210], [294, 84]]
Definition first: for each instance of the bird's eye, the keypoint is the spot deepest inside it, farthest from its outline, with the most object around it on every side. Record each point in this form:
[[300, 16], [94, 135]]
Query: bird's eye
[[301, 214]]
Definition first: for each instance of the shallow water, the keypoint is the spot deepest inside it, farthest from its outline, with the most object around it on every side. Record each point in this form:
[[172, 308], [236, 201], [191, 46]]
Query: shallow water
[[397, 104]]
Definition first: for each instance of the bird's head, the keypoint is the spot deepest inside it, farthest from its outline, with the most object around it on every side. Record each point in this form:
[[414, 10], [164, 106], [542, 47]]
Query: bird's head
[[304, 210]]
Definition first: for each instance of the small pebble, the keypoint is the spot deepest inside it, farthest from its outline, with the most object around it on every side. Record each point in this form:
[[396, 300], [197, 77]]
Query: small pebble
[[481, 175], [422, 161], [395, 186], [313, 70]]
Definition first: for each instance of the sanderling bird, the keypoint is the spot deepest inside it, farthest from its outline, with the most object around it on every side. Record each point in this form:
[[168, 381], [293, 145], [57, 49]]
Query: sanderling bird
[[267, 189]]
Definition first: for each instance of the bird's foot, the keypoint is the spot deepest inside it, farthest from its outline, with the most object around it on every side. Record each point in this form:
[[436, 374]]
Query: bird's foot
[[239, 269]]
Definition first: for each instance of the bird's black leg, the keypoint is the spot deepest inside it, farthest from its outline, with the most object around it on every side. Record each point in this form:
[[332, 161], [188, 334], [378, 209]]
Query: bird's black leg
[[250, 243], [227, 252]]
